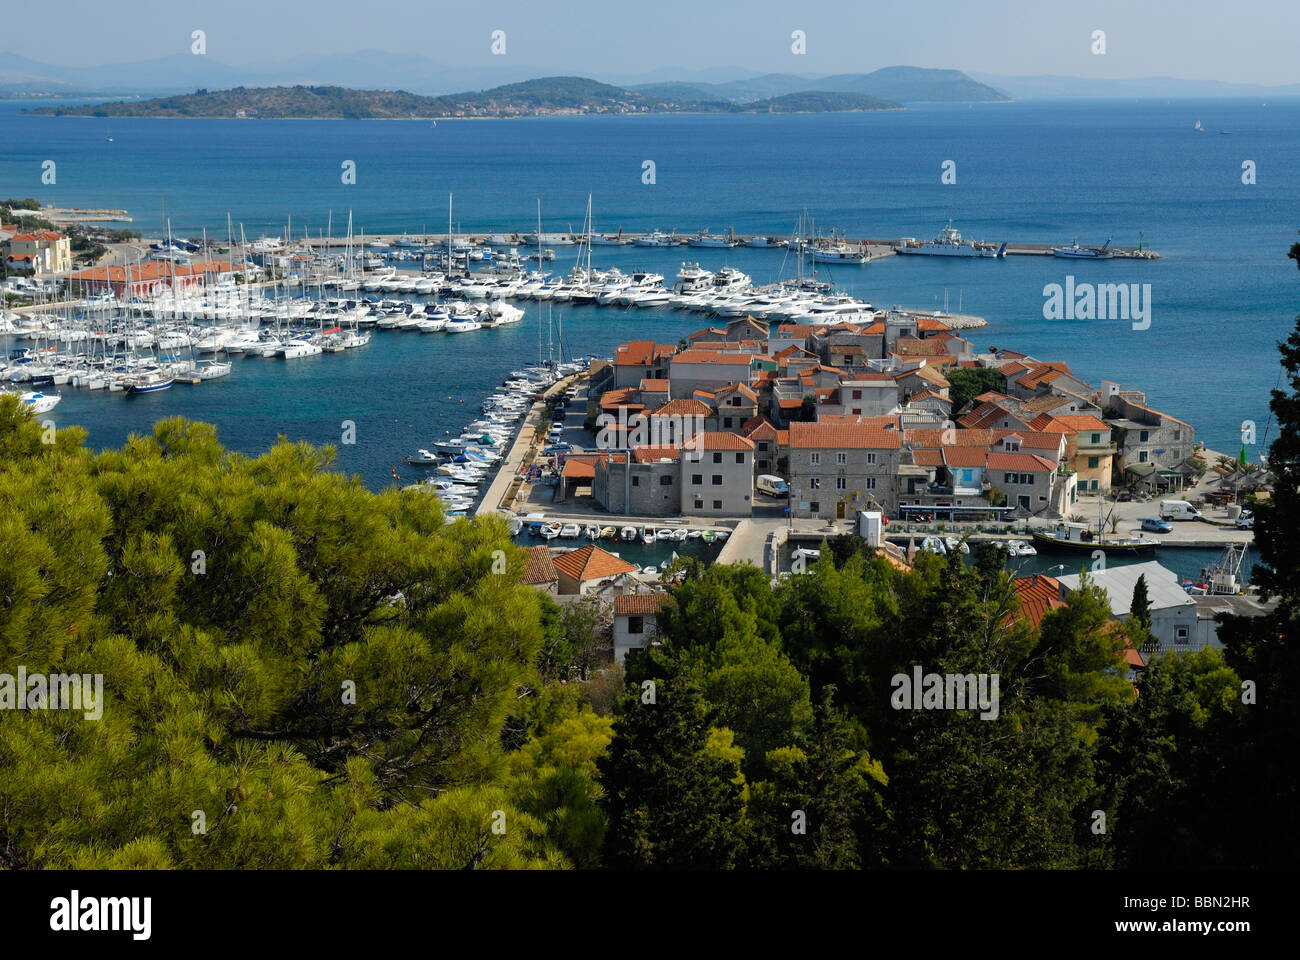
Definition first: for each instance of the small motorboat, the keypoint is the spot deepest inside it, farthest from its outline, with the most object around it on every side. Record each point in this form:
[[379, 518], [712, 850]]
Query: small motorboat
[[680, 533], [934, 545], [570, 531], [551, 530], [629, 533], [694, 534], [648, 535], [653, 571], [607, 533], [664, 534], [591, 531], [423, 457], [954, 545], [708, 536], [723, 534]]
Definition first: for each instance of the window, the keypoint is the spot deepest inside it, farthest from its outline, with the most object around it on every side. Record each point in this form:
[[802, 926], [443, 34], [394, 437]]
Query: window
[[869, 483], [726, 422], [717, 479], [1094, 484], [1008, 478], [857, 395], [1144, 436], [871, 459], [841, 458], [717, 458], [814, 507], [841, 483], [762, 446], [1178, 434], [815, 483], [636, 624], [717, 504], [666, 480], [740, 457], [1096, 438], [1142, 456], [636, 481], [697, 478], [815, 459], [857, 411], [1093, 462], [1181, 634]]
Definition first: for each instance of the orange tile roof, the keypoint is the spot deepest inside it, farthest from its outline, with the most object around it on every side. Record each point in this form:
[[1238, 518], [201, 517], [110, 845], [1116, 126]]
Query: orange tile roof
[[579, 468], [539, 568], [653, 454], [850, 436], [739, 388], [639, 604], [640, 353], [684, 407], [759, 428], [955, 456], [1082, 421], [788, 330], [1019, 461], [153, 270], [1038, 594], [654, 386], [591, 563], [712, 357], [718, 441]]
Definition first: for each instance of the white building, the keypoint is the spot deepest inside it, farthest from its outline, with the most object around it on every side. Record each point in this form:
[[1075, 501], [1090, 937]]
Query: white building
[[1173, 610]]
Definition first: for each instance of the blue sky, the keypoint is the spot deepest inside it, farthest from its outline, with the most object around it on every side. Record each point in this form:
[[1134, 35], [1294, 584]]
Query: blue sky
[[1253, 42]]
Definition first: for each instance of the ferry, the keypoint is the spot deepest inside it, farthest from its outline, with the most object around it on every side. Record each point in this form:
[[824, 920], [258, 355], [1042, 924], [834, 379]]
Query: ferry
[[949, 243], [1076, 252], [1079, 537]]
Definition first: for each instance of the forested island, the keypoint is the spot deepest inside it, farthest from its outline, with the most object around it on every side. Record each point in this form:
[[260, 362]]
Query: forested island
[[551, 96]]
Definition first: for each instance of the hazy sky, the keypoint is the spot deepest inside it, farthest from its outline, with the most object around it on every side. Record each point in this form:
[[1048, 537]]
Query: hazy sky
[[1249, 41]]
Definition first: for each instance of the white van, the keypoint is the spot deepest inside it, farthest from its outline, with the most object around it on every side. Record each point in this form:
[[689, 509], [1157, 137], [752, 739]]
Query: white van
[[1178, 510], [773, 486]]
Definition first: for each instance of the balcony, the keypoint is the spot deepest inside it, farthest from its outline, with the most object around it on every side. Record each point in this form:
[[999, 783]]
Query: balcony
[[1098, 449]]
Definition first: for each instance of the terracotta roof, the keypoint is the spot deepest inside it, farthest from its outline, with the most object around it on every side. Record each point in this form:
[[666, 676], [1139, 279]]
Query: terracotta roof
[[639, 604], [739, 388], [1043, 373], [1019, 461], [955, 456], [579, 468], [1082, 421], [591, 563], [707, 330], [153, 270], [640, 353], [845, 436], [787, 330], [654, 386], [684, 407], [712, 357], [1038, 594], [927, 458], [539, 568], [927, 394], [927, 373], [653, 454], [759, 428], [718, 441]]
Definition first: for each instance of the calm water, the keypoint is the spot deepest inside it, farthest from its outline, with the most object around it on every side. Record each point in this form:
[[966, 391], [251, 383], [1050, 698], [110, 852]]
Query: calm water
[[1223, 295]]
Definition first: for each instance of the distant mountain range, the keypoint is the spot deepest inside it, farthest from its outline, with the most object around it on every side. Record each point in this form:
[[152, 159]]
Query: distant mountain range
[[549, 96], [376, 70], [184, 73]]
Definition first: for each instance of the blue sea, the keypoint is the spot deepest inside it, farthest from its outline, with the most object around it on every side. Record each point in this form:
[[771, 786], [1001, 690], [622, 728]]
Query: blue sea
[[1222, 295]]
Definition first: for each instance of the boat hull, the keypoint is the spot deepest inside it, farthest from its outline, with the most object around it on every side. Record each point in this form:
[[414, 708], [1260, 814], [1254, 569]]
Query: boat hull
[[1074, 546]]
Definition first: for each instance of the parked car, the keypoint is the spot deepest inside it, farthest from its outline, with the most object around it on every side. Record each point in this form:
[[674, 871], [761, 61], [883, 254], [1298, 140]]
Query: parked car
[[1246, 522], [1156, 525], [1124, 496]]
